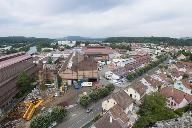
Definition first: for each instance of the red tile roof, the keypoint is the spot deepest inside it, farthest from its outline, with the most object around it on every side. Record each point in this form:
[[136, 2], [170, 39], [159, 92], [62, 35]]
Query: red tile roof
[[154, 83], [177, 95], [122, 98], [118, 114], [187, 84], [104, 122], [139, 87]]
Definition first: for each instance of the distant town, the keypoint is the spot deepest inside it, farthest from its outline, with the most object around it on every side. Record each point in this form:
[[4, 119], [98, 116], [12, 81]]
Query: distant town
[[81, 82]]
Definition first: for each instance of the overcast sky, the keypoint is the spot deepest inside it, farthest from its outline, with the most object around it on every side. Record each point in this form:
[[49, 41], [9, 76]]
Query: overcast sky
[[95, 18]]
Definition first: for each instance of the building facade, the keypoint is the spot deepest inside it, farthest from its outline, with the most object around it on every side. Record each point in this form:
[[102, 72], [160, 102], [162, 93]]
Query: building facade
[[10, 67]]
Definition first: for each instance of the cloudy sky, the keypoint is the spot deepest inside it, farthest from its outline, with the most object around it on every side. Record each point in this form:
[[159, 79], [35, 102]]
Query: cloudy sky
[[95, 18]]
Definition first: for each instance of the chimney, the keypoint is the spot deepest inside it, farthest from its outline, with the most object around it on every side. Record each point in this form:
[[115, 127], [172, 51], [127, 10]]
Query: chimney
[[111, 119]]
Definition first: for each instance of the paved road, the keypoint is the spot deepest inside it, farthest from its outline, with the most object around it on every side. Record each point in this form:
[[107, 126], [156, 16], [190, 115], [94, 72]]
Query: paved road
[[78, 116]]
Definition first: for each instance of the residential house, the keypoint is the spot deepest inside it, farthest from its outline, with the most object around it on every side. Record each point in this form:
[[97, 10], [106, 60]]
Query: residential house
[[184, 86], [137, 91], [114, 118], [175, 74], [176, 98], [151, 83], [122, 99], [181, 57]]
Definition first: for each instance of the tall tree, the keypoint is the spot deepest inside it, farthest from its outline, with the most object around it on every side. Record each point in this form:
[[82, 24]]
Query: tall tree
[[152, 110]]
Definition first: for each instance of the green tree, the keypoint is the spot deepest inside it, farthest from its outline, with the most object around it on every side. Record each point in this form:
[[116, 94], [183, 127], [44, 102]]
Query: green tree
[[44, 120], [23, 81], [59, 80], [58, 113], [49, 61], [85, 101], [103, 92], [41, 121], [130, 76], [94, 95], [110, 87], [152, 110]]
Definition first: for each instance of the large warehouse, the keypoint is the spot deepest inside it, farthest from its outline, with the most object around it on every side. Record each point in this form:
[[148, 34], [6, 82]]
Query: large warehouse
[[10, 67]]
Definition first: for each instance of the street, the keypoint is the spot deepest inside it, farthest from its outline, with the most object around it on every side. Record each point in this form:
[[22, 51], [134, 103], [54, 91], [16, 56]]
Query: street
[[78, 116]]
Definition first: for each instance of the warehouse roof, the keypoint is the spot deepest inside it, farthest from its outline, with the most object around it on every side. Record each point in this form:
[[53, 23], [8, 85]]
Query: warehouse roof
[[14, 60]]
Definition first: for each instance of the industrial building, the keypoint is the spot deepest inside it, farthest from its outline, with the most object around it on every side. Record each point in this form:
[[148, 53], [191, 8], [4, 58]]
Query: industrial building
[[79, 67], [10, 67], [100, 53]]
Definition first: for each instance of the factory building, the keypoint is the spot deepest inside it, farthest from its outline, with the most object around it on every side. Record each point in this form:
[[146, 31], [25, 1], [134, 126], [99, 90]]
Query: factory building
[[79, 67], [10, 67], [99, 53]]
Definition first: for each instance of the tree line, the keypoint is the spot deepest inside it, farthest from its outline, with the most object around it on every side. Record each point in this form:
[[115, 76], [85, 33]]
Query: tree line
[[155, 40], [96, 95], [45, 119], [21, 39]]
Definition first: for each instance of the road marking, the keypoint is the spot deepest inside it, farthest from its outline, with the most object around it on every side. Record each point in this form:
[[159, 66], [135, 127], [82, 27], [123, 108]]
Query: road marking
[[74, 115]]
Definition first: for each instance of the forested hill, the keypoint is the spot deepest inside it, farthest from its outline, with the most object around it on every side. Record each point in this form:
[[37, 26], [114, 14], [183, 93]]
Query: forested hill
[[157, 40], [21, 39]]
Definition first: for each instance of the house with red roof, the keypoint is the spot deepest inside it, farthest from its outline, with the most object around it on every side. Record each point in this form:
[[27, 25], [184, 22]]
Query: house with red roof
[[114, 118], [176, 98]]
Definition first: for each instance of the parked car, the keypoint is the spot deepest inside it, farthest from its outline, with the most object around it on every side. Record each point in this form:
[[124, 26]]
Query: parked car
[[89, 110], [53, 124]]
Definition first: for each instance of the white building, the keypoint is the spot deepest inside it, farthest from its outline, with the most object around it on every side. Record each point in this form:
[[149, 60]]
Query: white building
[[67, 42]]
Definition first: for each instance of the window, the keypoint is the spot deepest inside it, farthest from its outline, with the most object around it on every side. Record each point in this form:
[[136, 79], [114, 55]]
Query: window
[[131, 95]]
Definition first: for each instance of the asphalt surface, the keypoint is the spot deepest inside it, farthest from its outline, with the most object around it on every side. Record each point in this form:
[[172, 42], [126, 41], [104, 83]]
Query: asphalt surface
[[78, 116]]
